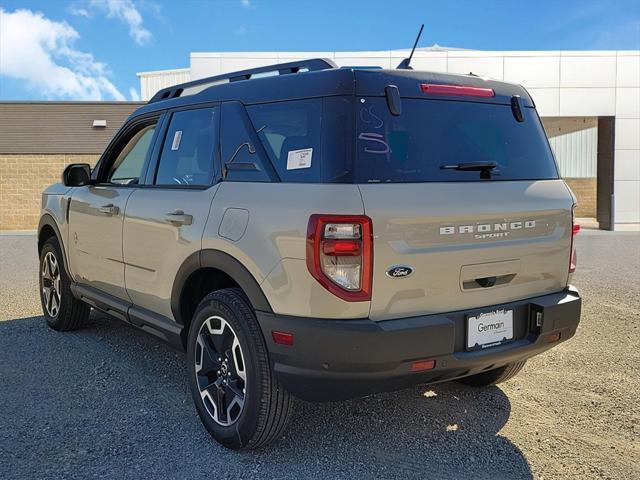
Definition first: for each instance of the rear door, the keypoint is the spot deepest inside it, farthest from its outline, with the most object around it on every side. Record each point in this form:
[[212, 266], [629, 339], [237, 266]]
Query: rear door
[[448, 239], [165, 218]]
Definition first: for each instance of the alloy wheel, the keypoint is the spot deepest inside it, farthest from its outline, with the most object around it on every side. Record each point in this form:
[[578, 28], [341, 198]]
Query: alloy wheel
[[51, 284], [220, 371]]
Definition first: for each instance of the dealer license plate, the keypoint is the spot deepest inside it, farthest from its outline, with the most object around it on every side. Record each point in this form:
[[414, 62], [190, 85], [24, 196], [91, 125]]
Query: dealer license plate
[[489, 329]]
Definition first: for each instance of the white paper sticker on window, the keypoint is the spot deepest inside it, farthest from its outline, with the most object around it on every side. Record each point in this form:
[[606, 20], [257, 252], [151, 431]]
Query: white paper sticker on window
[[299, 158], [176, 140]]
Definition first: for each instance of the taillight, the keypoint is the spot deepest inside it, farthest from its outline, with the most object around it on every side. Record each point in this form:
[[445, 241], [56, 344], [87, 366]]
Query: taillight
[[340, 254], [456, 90], [575, 228]]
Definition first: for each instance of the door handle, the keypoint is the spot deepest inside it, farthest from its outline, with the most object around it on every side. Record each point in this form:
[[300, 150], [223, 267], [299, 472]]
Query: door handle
[[179, 218], [110, 209]]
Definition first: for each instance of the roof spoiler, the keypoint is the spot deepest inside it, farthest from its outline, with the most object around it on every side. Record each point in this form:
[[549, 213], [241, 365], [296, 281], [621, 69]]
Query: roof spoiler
[[196, 86]]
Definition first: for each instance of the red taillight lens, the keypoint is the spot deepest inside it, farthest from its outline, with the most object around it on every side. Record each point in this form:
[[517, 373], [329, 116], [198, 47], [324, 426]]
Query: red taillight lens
[[574, 255], [456, 90], [341, 247], [576, 229], [340, 254]]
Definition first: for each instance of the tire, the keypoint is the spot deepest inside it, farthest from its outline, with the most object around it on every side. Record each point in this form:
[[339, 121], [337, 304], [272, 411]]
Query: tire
[[255, 408], [62, 311], [493, 377]]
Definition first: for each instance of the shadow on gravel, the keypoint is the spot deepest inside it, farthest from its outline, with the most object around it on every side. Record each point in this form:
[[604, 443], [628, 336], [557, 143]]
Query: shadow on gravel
[[111, 401]]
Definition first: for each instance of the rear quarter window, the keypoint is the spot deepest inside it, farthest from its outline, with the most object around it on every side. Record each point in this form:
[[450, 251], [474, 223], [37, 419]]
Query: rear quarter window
[[307, 141], [291, 135]]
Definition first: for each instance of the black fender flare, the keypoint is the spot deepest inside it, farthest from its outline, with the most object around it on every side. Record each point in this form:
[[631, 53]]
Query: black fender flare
[[48, 220], [224, 262]]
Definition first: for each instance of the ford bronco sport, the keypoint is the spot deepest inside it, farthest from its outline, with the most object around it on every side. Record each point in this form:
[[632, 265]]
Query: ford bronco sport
[[320, 232]]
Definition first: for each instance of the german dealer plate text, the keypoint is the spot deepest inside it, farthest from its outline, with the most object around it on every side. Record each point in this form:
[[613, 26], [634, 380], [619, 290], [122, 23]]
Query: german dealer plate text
[[489, 329]]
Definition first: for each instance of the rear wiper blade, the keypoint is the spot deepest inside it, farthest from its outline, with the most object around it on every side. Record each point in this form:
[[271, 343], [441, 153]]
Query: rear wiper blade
[[471, 166]]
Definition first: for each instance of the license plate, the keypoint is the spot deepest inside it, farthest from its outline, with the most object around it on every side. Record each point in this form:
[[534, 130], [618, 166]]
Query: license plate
[[489, 329]]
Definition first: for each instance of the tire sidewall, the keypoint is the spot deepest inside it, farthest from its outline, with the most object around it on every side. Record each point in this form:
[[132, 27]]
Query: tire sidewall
[[237, 434]]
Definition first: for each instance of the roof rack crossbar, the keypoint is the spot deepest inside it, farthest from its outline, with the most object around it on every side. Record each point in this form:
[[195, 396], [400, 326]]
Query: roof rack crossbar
[[310, 65]]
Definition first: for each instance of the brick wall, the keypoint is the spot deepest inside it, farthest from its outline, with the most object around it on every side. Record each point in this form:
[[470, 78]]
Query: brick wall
[[586, 190], [22, 180], [24, 177]]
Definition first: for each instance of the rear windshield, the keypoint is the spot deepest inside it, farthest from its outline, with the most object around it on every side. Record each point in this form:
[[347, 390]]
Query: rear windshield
[[430, 134]]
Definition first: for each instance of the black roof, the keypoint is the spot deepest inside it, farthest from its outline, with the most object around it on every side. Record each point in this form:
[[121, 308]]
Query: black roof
[[318, 78]]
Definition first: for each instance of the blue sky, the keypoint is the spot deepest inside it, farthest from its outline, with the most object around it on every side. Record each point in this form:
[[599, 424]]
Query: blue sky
[[92, 49]]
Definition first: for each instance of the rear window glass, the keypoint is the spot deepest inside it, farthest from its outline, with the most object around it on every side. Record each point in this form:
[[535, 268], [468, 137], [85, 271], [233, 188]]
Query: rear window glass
[[429, 134]]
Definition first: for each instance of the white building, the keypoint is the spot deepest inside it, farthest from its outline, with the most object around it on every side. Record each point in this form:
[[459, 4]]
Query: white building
[[589, 102]]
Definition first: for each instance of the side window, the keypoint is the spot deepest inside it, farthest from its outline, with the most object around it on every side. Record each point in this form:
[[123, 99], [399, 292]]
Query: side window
[[189, 149], [241, 152], [291, 134], [127, 167]]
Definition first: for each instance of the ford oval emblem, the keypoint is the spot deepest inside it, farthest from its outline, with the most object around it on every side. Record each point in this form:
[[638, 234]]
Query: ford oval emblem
[[399, 271]]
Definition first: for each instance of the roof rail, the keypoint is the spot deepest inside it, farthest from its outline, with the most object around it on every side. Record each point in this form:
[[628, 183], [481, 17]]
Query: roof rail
[[196, 86]]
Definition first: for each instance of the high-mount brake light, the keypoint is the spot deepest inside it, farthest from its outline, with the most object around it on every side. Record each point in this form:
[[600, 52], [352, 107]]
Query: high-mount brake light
[[458, 90], [340, 254]]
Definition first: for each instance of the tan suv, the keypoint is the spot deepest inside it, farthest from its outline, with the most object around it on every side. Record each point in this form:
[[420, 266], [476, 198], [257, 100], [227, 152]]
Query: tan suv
[[320, 232]]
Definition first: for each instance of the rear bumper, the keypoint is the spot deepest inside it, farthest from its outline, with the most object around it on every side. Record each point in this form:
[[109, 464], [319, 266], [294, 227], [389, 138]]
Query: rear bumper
[[340, 359]]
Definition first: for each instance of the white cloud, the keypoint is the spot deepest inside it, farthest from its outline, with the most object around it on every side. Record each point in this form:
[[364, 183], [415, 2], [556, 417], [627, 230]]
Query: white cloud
[[133, 93], [246, 3], [41, 53], [127, 12], [78, 11]]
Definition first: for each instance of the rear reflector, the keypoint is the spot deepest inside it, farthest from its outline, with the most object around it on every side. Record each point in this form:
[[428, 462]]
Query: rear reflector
[[422, 365], [456, 90], [576, 229], [553, 337], [282, 338]]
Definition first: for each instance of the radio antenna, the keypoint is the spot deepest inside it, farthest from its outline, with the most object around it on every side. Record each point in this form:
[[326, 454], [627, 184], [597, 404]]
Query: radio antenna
[[405, 64]]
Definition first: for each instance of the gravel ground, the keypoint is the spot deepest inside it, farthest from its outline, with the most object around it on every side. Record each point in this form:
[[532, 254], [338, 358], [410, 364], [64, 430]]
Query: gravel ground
[[110, 401]]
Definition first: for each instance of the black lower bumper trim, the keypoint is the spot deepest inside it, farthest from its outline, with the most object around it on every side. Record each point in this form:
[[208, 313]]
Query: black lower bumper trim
[[340, 359]]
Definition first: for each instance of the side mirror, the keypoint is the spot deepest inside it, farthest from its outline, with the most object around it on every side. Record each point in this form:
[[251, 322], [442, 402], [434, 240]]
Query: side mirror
[[76, 175]]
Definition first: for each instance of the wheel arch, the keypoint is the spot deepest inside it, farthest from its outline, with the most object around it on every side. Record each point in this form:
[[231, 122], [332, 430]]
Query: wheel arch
[[47, 228], [230, 272]]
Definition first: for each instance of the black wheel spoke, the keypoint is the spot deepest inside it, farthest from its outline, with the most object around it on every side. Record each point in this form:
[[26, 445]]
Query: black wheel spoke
[[221, 403], [212, 357], [211, 385], [219, 341], [234, 391]]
